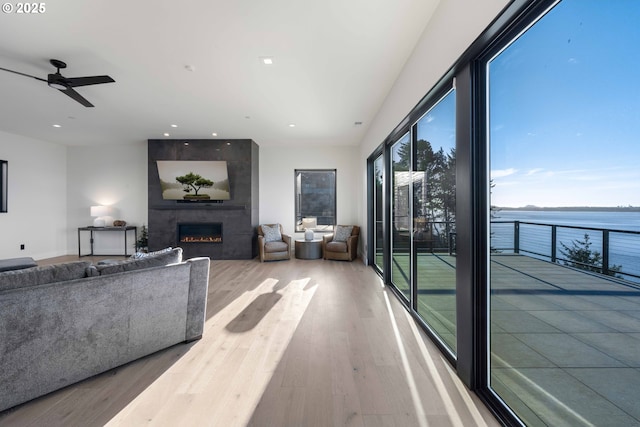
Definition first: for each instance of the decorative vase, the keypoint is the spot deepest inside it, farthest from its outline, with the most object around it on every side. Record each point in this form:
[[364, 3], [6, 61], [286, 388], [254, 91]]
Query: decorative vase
[[308, 234]]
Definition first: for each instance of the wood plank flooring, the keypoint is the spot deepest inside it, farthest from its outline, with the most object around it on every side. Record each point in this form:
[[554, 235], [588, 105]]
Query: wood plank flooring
[[286, 343]]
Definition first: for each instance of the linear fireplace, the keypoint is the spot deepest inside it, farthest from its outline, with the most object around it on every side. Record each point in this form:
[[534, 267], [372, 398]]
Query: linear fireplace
[[239, 215], [200, 233]]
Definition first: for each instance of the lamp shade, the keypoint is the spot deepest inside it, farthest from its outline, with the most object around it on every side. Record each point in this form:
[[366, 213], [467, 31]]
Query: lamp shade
[[99, 210], [309, 223]]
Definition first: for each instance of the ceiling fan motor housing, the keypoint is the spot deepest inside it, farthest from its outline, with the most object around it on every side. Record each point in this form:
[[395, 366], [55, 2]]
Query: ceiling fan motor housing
[[56, 81]]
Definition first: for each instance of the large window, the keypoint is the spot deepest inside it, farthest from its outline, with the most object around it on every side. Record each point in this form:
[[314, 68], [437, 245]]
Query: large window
[[378, 212], [564, 264], [401, 227], [315, 199], [434, 218], [4, 177], [423, 217], [518, 247]]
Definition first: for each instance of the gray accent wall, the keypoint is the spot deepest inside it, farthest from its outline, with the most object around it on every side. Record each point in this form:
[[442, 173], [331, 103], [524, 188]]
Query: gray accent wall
[[239, 215]]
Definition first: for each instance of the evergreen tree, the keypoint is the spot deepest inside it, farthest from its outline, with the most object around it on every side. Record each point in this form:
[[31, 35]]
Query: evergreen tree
[[580, 255]]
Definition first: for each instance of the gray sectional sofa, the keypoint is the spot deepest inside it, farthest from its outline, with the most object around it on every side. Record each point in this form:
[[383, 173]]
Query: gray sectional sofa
[[60, 324]]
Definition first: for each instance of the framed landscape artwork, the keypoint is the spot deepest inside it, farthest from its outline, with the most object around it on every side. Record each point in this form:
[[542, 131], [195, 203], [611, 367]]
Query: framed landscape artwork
[[193, 180]]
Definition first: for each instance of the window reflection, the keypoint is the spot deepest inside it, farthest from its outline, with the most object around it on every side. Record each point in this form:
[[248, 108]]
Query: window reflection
[[434, 219], [563, 156]]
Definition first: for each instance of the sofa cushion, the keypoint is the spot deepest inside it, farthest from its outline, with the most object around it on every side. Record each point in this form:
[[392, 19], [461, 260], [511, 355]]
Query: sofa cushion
[[171, 257], [271, 247], [44, 274], [337, 246], [342, 233], [139, 255]]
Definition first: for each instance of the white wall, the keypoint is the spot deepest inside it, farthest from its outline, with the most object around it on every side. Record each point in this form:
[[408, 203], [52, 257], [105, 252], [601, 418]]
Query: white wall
[[452, 29], [37, 202], [114, 175], [117, 175], [277, 187]]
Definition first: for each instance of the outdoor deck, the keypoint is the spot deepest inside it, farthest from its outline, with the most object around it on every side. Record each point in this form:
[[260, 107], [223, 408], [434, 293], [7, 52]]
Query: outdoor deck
[[565, 343]]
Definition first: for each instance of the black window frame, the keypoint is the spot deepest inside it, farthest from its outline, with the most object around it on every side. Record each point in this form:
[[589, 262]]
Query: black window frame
[[321, 228], [472, 191], [4, 185]]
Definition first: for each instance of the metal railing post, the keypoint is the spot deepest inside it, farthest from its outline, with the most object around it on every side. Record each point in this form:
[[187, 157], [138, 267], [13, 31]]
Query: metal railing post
[[516, 237], [605, 252], [553, 243]]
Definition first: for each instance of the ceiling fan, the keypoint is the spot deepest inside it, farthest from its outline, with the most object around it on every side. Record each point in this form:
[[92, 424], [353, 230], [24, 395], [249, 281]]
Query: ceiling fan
[[66, 84]]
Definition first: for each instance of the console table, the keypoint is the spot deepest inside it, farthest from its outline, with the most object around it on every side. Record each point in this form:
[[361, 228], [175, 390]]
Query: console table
[[91, 230]]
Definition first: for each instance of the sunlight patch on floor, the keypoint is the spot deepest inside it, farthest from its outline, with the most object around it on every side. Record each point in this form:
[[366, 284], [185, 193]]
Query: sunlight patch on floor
[[226, 369], [411, 382], [437, 378]]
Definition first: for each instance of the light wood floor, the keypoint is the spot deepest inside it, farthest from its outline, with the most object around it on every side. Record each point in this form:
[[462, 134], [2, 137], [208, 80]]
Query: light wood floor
[[286, 343]]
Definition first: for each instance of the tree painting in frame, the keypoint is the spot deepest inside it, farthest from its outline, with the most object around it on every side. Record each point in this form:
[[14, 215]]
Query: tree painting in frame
[[4, 174]]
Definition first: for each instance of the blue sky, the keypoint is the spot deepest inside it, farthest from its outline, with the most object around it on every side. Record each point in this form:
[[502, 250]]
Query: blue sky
[[565, 109], [438, 125]]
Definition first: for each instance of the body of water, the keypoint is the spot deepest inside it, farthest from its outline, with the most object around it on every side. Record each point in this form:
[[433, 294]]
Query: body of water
[[609, 220], [535, 240]]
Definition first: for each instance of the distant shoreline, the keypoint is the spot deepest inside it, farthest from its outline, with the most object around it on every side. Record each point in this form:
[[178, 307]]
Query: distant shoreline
[[572, 208]]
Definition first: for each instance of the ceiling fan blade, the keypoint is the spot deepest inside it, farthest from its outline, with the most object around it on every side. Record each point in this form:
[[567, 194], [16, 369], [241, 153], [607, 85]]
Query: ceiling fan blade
[[86, 81], [76, 96], [23, 74]]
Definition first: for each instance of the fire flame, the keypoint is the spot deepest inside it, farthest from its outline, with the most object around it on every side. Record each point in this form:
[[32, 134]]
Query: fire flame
[[201, 239]]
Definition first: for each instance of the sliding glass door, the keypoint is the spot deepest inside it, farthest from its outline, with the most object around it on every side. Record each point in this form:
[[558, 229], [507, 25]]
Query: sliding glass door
[[378, 212], [434, 201], [401, 228], [564, 104]]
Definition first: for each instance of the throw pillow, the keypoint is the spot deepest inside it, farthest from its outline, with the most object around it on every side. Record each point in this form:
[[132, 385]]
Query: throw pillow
[[139, 255], [171, 257], [271, 233], [342, 233]]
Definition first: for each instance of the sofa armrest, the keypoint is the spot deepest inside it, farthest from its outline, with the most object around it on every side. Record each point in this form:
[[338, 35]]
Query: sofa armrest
[[352, 246], [287, 239], [197, 303], [326, 238], [261, 242]]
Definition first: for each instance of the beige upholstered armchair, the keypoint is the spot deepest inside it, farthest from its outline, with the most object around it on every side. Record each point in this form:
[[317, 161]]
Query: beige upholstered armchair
[[342, 244], [272, 243]]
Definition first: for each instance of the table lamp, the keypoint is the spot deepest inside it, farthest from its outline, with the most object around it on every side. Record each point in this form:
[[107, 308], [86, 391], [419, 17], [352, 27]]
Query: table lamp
[[99, 212]]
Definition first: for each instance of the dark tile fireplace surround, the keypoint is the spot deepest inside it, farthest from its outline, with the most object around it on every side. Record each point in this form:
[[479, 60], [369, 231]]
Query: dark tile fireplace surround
[[223, 230]]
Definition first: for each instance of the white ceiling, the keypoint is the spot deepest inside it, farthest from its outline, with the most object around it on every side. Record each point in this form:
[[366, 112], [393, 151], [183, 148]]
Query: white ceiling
[[335, 62]]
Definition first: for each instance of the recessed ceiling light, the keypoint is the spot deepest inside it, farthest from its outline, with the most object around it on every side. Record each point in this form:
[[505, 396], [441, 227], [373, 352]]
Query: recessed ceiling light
[[214, 134], [165, 134], [228, 143], [186, 143], [292, 125], [174, 126], [57, 126], [266, 60]]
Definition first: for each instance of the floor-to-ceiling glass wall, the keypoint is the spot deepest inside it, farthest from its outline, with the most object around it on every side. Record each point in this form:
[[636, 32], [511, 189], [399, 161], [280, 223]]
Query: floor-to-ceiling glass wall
[[434, 199], [401, 227], [378, 212], [564, 263]]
